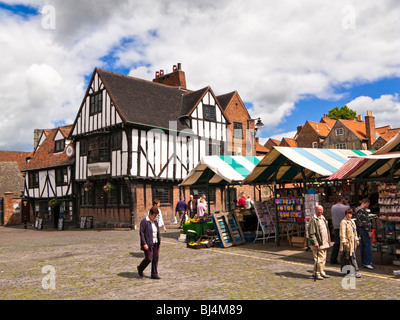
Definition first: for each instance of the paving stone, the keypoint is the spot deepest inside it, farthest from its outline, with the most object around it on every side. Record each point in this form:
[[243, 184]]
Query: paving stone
[[101, 265]]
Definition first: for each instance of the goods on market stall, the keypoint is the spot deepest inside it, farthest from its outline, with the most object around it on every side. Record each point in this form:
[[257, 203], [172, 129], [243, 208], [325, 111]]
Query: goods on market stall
[[387, 232]]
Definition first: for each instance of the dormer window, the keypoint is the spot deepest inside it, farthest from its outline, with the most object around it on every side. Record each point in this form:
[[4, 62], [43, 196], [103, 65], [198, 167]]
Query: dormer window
[[59, 146]]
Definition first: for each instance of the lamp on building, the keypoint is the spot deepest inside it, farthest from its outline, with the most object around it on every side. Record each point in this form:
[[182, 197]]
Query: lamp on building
[[259, 124], [185, 121]]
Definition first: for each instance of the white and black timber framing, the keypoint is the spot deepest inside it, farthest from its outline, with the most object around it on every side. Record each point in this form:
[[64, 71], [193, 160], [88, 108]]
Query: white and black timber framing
[[129, 131]]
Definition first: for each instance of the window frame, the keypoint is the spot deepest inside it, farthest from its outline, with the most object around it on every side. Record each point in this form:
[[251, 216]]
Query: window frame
[[340, 145], [96, 103], [166, 196], [99, 149], [33, 179], [207, 114], [339, 131], [59, 145], [236, 130], [61, 176]]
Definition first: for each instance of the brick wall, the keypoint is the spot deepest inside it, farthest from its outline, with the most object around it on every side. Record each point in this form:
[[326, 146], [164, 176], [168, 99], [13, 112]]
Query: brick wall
[[237, 112], [12, 209], [307, 136]]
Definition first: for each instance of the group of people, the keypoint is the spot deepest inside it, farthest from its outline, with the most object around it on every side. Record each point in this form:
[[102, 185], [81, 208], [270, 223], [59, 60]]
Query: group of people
[[347, 236], [244, 203], [194, 207]]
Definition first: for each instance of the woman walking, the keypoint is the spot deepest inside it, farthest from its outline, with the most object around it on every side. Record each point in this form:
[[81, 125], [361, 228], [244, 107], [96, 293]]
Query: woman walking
[[349, 242], [150, 243]]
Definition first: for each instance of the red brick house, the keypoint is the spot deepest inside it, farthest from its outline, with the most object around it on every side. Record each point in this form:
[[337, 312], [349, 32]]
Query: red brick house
[[241, 127], [11, 187]]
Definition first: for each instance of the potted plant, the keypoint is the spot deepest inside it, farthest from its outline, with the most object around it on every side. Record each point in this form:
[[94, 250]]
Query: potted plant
[[108, 187], [88, 186]]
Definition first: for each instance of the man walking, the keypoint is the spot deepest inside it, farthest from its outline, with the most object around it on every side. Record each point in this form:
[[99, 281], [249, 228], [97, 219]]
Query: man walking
[[338, 214], [181, 208], [318, 233], [364, 230]]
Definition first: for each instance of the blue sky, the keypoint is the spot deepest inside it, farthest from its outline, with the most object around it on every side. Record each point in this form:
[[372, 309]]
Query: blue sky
[[289, 63], [313, 109]]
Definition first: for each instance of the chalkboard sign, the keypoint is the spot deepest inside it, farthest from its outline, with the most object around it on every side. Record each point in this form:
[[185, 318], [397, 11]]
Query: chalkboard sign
[[83, 222], [86, 223], [60, 224], [89, 222], [228, 228]]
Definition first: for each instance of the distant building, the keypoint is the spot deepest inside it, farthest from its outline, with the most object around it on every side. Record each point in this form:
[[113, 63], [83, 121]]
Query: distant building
[[353, 134], [11, 187]]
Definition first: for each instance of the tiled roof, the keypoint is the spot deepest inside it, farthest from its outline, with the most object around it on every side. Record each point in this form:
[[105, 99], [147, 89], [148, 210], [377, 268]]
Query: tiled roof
[[358, 127], [11, 178], [149, 103], [321, 128], [330, 122], [290, 141], [224, 99], [14, 156], [389, 134], [260, 149], [44, 156]]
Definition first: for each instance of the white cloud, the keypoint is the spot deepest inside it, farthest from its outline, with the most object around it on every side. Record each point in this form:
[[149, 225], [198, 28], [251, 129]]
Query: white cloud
[[271, 52], [386, 109]]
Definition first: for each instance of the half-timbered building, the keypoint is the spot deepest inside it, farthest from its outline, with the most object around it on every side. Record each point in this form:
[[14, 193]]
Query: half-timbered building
[[135, 140], [49, 178]]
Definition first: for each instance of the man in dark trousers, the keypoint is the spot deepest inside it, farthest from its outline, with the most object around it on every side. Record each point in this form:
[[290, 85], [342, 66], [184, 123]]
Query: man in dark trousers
[[150, 243], [338, 212], [364, 230]]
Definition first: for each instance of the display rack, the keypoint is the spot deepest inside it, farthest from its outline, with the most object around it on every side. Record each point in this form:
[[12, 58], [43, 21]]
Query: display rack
[[228, 228], [265, 212], [386, 238]]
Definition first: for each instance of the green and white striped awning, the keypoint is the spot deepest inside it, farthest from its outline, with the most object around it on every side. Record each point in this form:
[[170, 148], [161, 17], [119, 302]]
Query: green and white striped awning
[[291, 164], [221, 170]]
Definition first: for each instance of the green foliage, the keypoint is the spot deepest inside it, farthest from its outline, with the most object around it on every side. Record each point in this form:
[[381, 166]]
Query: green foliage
[[343, 113]]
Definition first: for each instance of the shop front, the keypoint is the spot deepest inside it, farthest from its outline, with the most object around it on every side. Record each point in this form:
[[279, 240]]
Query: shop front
[[226, 227], [54, 214]]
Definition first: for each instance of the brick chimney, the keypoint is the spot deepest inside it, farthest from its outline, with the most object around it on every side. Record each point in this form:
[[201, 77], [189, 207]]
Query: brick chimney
[[370, 129], [174, 79]]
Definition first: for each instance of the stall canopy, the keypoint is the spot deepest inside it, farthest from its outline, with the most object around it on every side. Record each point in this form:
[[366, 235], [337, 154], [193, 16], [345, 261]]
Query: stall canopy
[[221, 170], [384, 163], [299, 164]]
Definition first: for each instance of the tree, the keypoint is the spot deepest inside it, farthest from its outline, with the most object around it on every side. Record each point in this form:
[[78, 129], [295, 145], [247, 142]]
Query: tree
[[343, 113]]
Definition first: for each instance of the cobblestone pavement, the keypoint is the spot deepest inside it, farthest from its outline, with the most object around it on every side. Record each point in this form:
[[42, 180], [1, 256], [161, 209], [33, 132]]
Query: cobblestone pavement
[[101, 265]]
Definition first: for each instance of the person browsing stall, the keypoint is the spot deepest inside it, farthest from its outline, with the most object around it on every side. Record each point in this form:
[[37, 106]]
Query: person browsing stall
[[181, 208], [201, 208]]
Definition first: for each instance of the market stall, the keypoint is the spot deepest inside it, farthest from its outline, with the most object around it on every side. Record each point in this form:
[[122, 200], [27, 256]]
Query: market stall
[[377, 177], [304, 169], [223, 171]]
